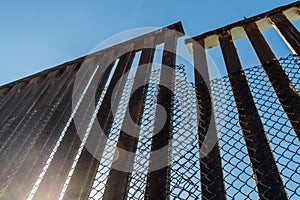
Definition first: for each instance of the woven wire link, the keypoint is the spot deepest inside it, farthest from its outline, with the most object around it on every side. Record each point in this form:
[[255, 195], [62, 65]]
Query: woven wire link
[[184, 178], [284, 143], [282, 139], [108, 154], [141, 162], [185, 171], [239, 183]]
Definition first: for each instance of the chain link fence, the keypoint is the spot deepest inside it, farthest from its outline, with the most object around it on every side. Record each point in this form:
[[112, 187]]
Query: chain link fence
[[184, 180]]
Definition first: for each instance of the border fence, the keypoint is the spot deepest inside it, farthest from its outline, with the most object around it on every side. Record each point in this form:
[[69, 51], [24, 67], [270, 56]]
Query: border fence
[[235, 137]]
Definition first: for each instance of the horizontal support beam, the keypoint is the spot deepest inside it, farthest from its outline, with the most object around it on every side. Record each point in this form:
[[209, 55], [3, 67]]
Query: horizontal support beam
[[291, 11]]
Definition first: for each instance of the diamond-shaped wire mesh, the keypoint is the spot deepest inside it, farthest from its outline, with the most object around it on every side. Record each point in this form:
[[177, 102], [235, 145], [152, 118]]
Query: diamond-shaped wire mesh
[[185, 171], [282, 139], [184, 179]]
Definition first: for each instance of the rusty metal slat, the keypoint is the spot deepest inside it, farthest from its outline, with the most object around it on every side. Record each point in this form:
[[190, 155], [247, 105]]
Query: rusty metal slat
[[288, 31], [283, 87], [31, 168], [58, 169], [12, 134], [87, 162], [267, 177], [87, 165], [212, 181], [31, 132], [35, 99], [24, 112], [45, 145], [33, 164], [8, 126], [11, 95], [8, 110], [63, 161], [118, 181], [44, 86], [11, 130], [76, 187], [157, 186], [3, 93]]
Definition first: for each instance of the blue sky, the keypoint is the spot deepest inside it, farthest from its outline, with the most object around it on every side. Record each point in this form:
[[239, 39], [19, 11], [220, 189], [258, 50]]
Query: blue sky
[[36, 35]]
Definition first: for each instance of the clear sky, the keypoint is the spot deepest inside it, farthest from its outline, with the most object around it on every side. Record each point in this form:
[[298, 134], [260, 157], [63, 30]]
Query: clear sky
[[36, 35]]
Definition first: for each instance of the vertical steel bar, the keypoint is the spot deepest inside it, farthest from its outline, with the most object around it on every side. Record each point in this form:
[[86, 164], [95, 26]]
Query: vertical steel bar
[[3, 93], [118, 181], [9, 126], [8, 111], [157, 186], [12, 93], [62, 162], [212, 181], [86, 168], [267, 177], [283, 87], [18, 148], [80, 182], [26, 114], [29, 170], [10, 146], [52, 182], [288, 32]]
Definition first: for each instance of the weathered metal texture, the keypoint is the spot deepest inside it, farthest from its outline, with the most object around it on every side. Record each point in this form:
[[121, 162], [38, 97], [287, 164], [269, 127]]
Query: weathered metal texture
[[18, 133], [283, 87], [36, 112], [29, 170], [62, 159], [212, 181], [268, 180], [117, 184], [288, 32], [79, 185], [291, 11], [16, 88], [73, 138], [88, 164], [157, 186]]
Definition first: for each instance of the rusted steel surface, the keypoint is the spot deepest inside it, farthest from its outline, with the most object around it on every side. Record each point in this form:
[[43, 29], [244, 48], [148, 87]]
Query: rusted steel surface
[[117, 183], [14, 140], [62, 159], [13, 92], [283, 87], [290, 10], [268, 180], [81, 181], [8, 110], [212, 181], [44, 156], [288, 31], [157, 186], [78, 182], [29, 170], [88, 164]]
